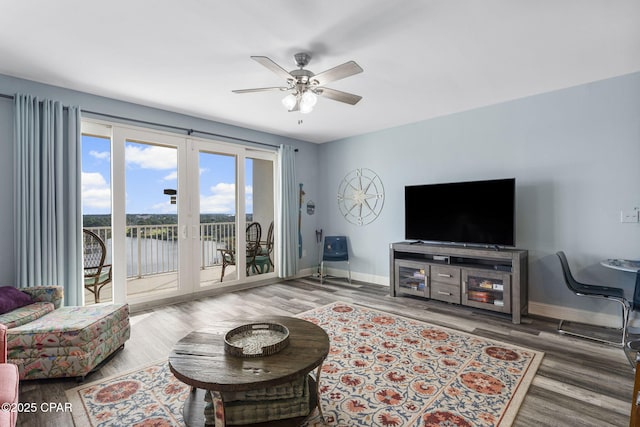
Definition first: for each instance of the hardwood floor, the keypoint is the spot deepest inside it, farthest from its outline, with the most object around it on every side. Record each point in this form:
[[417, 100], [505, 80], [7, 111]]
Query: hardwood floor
[[580, 383]]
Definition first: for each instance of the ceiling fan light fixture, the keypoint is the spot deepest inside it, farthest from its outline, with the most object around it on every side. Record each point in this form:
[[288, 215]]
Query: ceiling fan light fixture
[[306, 108], [309, 98], [289, 101], [307, 102]]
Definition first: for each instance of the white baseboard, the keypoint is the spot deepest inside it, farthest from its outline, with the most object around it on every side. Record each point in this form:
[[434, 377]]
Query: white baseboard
[[337, 272], [575, 315], [370, 278]]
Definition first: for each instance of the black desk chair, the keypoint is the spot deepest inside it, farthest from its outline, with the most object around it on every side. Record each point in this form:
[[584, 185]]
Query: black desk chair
[[632, 346], [594, 291]]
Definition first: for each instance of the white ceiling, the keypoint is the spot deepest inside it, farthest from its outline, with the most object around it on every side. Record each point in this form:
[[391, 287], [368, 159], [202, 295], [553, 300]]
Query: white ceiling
[[421, 58]]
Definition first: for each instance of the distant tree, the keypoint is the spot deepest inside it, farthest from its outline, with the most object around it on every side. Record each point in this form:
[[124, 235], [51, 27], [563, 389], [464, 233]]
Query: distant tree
[[156, 219]]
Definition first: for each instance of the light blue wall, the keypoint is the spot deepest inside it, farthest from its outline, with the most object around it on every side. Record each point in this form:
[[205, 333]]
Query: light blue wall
[[575, 154], [306, 157]]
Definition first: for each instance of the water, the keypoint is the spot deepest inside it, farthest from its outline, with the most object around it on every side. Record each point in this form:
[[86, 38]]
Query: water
[[156, 256]]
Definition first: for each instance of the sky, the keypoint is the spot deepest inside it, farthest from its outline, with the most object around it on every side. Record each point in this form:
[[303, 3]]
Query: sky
[[149, 170]]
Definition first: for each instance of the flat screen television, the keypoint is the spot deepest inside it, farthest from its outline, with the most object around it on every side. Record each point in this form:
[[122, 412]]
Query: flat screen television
[[472, 212]]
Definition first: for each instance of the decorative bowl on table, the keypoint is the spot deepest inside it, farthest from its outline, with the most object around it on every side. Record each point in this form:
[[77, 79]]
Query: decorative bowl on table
[[256, 339]]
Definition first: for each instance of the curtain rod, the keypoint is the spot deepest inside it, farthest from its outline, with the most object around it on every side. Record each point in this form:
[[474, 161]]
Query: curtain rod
[[183, 129]]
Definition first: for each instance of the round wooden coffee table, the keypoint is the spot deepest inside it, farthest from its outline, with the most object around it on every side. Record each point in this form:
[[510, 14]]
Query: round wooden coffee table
[[200, 360]]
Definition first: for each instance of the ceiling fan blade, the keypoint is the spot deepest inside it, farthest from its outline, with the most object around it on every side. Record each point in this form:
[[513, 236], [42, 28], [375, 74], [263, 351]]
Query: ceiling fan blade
[[336, 73], [272, 66], [338, 95], [260, 89]]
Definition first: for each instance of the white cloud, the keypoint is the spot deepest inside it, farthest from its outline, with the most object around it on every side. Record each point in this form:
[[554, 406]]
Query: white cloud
[[151, 157], [96, 193], [223, 199], [102, 155], [171, 177], [249, 199]]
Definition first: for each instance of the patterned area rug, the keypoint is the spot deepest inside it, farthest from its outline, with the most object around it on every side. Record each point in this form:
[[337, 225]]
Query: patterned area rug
[[150, 396], [382, 370], [386, 370]]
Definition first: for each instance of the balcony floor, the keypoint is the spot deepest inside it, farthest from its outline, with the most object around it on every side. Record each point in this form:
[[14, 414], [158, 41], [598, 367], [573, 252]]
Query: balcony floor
[[147, 285]]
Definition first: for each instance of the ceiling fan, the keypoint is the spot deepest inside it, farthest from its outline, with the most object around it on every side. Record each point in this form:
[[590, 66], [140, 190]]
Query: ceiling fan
[[304, 86]]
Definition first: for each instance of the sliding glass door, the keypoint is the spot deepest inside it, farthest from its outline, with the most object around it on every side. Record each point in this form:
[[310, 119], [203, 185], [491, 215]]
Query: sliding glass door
[[152, 218], [259, 205], [231, 181], [150, 224], [176, 212], [96, 195], [218, 220]]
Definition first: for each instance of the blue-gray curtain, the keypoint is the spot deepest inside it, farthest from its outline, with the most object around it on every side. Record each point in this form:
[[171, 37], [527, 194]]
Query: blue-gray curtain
[[47, 196], [288, 194]]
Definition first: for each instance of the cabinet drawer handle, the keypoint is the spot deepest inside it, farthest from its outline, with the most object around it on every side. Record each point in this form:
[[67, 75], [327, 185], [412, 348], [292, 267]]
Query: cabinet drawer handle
[[464, 287], [444, 275], [444, 293]]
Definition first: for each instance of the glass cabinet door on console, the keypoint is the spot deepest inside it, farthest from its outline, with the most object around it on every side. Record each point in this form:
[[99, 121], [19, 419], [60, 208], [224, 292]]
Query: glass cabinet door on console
[[487, 289], [412, 277]]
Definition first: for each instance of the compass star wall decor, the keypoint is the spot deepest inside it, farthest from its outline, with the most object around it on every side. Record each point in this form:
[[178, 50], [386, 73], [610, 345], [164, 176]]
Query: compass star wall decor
[[361, 196]]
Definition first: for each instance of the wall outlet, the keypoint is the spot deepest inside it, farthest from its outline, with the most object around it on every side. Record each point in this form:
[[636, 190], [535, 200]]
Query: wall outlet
[[630, 215]]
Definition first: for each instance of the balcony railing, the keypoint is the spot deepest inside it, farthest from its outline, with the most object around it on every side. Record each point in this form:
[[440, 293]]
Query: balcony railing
[[153, 249]]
